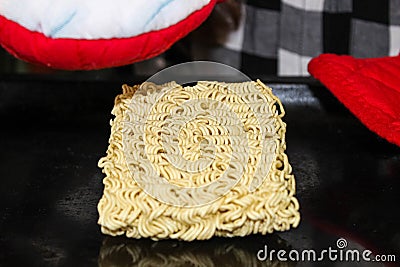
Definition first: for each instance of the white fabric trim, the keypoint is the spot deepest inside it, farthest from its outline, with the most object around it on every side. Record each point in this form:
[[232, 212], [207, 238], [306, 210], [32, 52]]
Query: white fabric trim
[[292, 64], [96, 19], [394, 36], [308, 5]]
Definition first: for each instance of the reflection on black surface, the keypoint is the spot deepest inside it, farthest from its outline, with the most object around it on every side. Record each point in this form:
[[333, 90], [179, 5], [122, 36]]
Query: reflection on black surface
[[219, 252]]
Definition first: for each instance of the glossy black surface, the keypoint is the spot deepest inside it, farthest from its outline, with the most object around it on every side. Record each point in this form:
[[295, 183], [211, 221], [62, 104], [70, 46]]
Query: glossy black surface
[[54, 131]]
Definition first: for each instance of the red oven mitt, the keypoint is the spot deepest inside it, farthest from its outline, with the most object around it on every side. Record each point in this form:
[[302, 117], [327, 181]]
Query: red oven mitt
[[369, 88]]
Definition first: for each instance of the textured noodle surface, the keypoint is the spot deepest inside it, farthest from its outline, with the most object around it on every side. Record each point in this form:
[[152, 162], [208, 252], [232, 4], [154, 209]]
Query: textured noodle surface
[[193, 162]]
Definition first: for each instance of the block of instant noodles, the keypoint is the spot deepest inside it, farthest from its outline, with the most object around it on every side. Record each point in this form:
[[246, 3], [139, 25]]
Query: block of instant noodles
[[193, 162]]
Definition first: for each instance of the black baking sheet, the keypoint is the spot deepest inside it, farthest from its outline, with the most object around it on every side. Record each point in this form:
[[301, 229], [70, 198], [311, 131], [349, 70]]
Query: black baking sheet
[[55, 130]]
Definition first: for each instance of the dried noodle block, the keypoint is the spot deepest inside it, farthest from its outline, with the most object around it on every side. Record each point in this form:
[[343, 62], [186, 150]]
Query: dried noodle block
[[197, 161]]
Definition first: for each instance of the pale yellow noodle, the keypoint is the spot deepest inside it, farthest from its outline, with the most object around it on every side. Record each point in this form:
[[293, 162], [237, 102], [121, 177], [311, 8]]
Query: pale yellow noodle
[[238, 132]]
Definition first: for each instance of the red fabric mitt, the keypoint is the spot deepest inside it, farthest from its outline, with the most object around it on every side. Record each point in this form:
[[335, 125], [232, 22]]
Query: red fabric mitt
[[369, 88]]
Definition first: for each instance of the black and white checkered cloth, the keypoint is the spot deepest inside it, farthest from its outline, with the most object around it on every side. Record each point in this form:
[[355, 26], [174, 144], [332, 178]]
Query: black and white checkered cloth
[[283, 35]]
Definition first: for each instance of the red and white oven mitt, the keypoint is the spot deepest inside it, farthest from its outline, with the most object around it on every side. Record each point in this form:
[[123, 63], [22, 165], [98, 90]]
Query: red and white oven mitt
[[95, 34]]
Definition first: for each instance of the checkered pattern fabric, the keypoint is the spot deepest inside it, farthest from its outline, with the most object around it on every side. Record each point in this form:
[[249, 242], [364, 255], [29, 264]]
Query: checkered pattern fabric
[[283, 35]]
